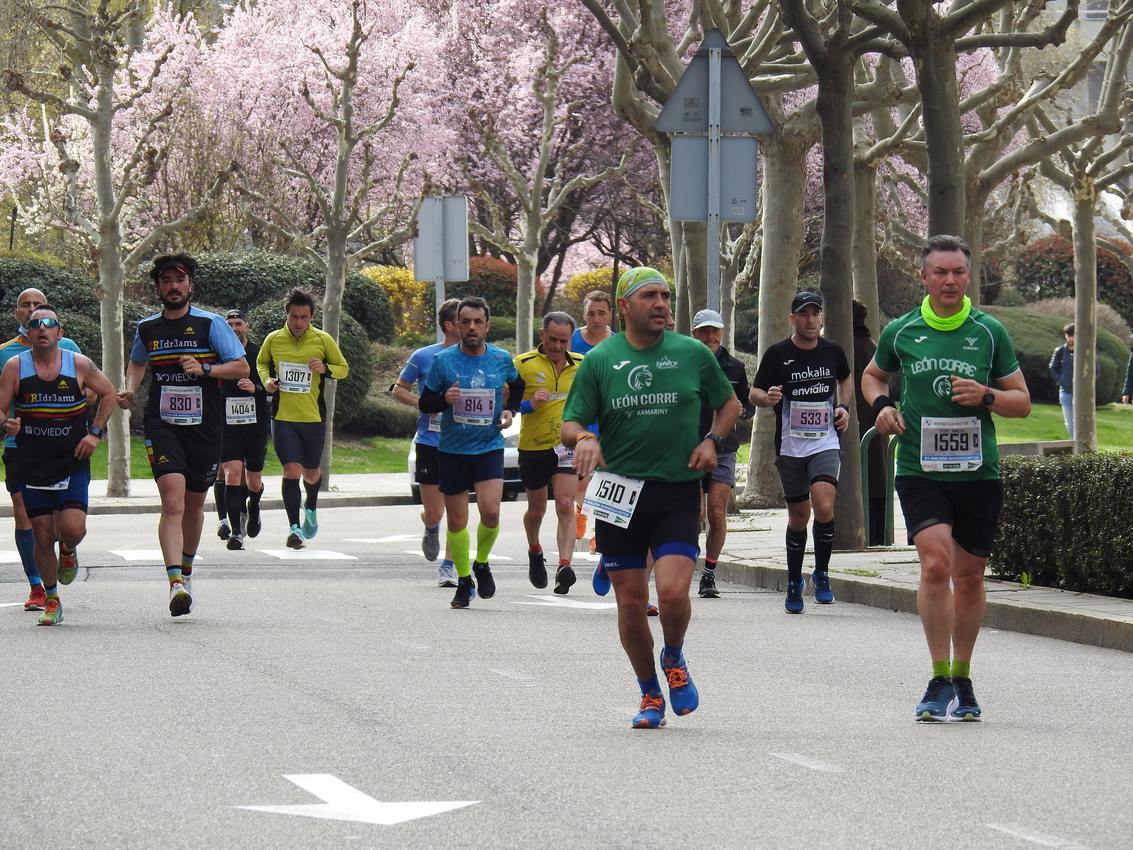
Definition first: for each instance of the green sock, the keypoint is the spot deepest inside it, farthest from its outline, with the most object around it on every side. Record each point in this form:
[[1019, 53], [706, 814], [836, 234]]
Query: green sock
[[962, 669], [485, 538], [942, 668], [458, 543]]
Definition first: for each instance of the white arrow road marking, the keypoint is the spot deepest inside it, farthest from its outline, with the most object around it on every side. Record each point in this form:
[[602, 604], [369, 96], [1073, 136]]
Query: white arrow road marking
[[1034, 837], [144, 555], [393, 538], [522, 678], [592, 557], [308, 555], [562, 602], [9, 557], [410, 645], [813, 764], [345, 802], [10, 604]]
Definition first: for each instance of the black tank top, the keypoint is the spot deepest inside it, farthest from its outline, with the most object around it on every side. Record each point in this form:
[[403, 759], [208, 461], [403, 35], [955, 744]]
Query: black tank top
[[52, 422]]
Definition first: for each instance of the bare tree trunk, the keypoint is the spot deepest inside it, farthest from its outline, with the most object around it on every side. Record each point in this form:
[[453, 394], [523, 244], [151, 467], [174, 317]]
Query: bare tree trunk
[[526, 263], [332, 324], [940, 97], [110, 284], [864, 249], [784, 184], [1085, 317], [834, 102]]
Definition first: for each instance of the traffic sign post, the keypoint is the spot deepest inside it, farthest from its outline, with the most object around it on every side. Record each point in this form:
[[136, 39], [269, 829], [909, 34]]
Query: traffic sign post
[[712, 114], [440, 248]]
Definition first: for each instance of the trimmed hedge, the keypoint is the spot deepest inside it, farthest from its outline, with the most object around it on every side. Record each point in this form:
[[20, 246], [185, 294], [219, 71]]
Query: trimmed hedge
[[1065, 521], [356, 348], [493, 280], [1045, 269], [246, 279], [1036, 337], [383, 417]]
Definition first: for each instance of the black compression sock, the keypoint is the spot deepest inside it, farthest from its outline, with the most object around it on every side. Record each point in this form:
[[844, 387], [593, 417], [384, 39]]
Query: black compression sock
[[796, 548], [823, 545], [291, 499], [312, 494]]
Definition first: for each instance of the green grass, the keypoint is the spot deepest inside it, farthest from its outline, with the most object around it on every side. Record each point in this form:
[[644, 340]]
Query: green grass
[[1114, 426], [361, 455]]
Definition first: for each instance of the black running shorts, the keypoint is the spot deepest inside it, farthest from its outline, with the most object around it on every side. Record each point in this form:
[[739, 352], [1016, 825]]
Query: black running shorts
[[247, 444], [183, 450], [666, 521], [427, 468], [970, 507]]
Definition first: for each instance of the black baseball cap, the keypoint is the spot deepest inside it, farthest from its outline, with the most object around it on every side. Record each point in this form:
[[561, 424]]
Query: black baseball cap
[[235, 314], [804, 298]]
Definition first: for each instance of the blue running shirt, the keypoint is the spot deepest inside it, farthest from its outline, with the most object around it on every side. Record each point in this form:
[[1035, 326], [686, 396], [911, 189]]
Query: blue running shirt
[[491, 370], [415, 372]]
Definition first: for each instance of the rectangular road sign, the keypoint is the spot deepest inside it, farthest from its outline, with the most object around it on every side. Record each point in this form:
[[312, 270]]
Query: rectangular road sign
[[688, 187], [440, 250]]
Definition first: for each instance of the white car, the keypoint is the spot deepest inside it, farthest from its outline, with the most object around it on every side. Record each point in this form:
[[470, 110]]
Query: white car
[[512, 485]]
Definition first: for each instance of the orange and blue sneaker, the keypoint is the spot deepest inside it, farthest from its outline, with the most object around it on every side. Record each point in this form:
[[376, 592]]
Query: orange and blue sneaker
[[652, 610], [68, 565], [683, 695], [651, 715], [53, 614]]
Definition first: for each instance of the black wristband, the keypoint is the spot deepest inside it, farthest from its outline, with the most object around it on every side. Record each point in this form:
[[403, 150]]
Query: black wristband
[[844, 407], [880, 403]]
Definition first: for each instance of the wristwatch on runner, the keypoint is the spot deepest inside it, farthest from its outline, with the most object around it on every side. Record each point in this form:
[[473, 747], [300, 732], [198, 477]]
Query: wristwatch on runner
[[715, 438], [989, 397], [95, 431]]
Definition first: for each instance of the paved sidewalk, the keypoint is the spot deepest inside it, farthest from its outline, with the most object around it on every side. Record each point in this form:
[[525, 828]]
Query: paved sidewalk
[[754, 555]]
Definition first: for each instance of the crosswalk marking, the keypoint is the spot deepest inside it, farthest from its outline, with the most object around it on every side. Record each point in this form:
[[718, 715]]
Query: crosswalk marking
[[152, 555], [307, 555]]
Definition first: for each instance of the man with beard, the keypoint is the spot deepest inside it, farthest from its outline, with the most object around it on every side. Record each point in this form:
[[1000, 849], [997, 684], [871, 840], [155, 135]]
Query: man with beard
[[645, 388], [466, 386], [188, 351], [807, 380]]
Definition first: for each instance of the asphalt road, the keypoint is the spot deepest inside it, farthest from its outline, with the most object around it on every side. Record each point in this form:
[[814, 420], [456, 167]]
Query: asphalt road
[[126, 728]]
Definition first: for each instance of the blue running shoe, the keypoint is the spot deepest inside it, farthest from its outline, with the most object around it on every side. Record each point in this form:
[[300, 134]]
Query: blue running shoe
[[820, 581], [963, 705], [601, 580], [651, 714], [310, 523], [295, 538], [933, 707], [683, 695], [794, 603]]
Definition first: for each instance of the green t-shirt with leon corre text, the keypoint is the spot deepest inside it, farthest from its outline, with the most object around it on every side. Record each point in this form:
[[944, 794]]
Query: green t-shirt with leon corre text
[[979, 350], [647, 403]]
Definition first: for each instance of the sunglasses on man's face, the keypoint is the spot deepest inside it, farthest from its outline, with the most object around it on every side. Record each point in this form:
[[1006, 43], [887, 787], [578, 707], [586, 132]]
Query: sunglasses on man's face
[[43, 323]]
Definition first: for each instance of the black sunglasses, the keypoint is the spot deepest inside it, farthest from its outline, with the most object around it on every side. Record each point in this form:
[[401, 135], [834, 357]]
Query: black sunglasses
[[43, 323]]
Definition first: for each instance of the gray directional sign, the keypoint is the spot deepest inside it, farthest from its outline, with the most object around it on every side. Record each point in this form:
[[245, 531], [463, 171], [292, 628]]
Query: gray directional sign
[[440, 249]]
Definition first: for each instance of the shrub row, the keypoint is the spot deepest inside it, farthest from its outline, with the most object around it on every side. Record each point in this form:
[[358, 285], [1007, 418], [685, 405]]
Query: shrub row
[[1065, 522]]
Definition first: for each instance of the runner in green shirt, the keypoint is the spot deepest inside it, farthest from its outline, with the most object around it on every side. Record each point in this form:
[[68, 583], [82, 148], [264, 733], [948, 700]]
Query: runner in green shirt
[[645, 388], [957, 367]]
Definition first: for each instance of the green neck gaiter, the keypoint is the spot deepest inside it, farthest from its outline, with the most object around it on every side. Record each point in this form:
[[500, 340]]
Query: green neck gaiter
[[946, 323]]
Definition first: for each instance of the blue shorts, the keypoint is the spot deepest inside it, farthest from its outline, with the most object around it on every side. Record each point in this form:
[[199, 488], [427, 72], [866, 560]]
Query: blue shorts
[[461, 473], [666, 521], [299, 442], [39, 502]]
